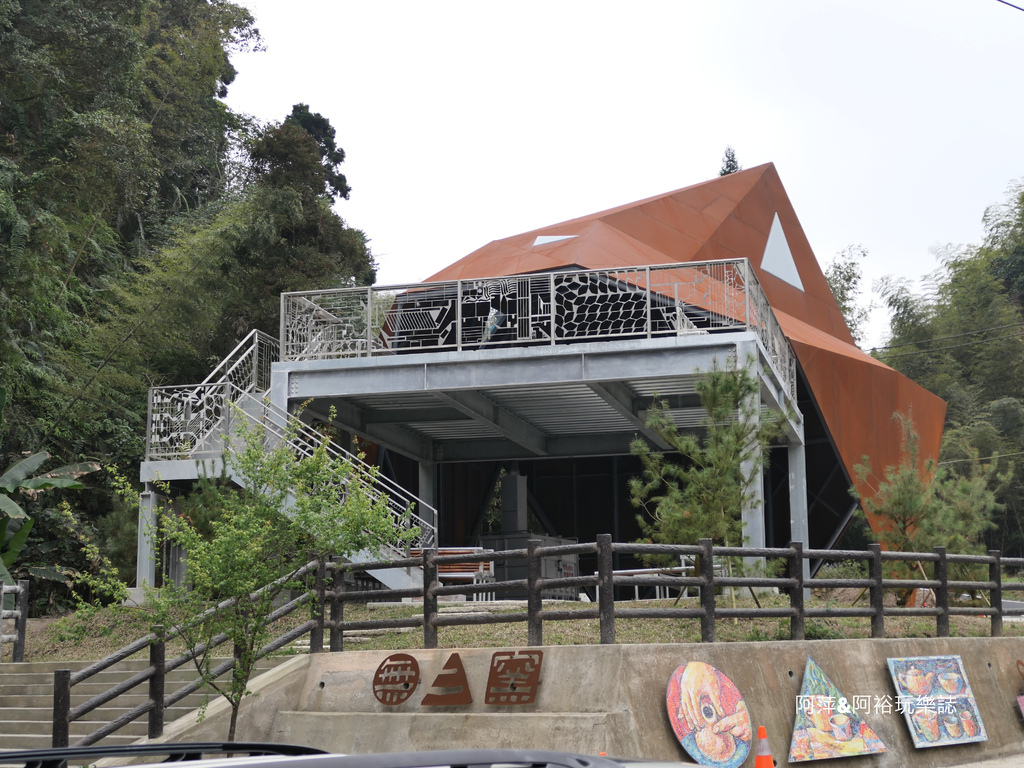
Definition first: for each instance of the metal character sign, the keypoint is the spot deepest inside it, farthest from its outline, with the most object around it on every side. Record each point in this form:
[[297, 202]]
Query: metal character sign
[[451, 686], [396, 678], [514, 678]]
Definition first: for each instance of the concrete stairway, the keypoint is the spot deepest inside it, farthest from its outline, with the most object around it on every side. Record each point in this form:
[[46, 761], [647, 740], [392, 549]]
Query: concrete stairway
[[26, 701]]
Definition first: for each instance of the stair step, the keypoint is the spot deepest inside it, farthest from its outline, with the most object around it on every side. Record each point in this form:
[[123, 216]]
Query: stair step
[[36, 711], [26, 700]]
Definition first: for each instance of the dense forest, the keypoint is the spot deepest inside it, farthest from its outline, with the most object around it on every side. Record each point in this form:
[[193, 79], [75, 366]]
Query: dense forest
[[144, 229]]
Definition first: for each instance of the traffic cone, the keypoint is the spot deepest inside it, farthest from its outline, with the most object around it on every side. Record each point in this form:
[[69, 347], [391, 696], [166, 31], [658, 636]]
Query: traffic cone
[[763, 755]]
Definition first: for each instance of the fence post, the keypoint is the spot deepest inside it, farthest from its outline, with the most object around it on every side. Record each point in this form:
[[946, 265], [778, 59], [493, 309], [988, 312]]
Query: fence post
[[157, 652], [942, 594], [20, 623], [606, 588], [995, 574], [337, 610], [61, 708], [796, 593], [707, 591], [877, 598], [429, 598], [316, 634], [534, 603]]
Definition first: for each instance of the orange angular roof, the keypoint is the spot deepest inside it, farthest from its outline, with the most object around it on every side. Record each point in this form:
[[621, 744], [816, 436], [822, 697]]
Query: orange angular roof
[[743, 215]]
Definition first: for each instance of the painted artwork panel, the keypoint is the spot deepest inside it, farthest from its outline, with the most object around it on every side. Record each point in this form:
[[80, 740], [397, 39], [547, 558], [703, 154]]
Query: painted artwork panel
[[708, 715], [826, 725], [936, 700]]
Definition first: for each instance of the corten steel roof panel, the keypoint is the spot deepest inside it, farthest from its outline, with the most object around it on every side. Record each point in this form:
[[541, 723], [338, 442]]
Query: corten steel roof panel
[[736, 186], [670, 243], [698, 197], [719, 210], [757, 209], [716, 220], [796, 301], [607, 247], [742, 239], [686, 219]]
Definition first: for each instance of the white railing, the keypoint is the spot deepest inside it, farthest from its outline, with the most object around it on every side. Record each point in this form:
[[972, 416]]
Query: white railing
[[182, 418], [197, 422], [253, 409], [247, 366], [544, 308]]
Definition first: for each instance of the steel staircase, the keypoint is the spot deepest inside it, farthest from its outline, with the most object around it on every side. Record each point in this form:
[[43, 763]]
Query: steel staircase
[[195, 423]]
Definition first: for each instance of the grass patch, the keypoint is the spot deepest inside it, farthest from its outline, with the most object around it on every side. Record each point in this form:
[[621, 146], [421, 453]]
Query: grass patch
[[95, 633]]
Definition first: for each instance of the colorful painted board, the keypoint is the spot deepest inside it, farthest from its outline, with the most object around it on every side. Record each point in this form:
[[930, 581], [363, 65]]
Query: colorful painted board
[[936, 700], [826, 725], [708, 715]]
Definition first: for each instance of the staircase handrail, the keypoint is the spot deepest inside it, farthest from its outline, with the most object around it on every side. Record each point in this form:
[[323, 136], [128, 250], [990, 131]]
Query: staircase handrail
[[249, 346], [303, 439], [64, 681], [246, 358]]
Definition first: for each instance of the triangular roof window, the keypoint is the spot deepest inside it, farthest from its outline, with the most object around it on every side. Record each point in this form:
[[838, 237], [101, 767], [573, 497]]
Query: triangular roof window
[[546, 239], [778, 259]]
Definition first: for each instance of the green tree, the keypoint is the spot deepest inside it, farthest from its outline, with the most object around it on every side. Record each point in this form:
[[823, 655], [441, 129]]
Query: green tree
[[290, 510], [703, 492], [844, 277], [729, 163], [920, 505], [20, 479]]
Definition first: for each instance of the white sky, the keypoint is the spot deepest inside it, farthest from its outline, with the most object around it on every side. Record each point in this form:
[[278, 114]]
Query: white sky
[[893, 123]]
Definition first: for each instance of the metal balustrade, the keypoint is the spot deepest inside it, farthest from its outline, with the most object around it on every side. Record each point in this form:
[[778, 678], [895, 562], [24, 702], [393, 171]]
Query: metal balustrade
[[197, 421], [230, 410], [544, 308]]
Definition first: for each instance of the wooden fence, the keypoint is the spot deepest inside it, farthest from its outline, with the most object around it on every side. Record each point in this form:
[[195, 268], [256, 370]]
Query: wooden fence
[[329, 595]]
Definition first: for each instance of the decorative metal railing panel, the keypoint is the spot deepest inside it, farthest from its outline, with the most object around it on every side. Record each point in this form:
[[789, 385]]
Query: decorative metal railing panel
[[546, 308], [197, 421], [280, 426], [247, 366], [183, 419]]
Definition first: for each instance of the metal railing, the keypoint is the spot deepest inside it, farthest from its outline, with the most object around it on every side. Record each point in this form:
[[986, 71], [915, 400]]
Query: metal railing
[[543, 308], [182, 418], [63, 680], [279, 427], [248, 365], [20, 615], [329, 596]]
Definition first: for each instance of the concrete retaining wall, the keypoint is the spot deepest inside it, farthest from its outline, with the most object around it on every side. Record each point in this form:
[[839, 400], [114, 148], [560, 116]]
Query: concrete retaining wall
[[612, 699]]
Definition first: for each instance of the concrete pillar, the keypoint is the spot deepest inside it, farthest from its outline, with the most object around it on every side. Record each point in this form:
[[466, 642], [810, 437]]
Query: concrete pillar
[[145, 567], [513, 501], [753, 510], [428, 482], [798, 527], [145, 562]]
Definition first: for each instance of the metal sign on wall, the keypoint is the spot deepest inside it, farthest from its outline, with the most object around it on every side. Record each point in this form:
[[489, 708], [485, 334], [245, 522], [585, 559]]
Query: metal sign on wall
[[512, 680]]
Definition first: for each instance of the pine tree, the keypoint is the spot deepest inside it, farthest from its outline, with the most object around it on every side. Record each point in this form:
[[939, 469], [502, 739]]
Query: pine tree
[[729, 162]]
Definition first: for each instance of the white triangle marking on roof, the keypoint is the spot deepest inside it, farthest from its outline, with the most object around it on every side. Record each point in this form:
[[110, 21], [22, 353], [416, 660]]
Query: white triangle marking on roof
[[778, 259], [545, 239]]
